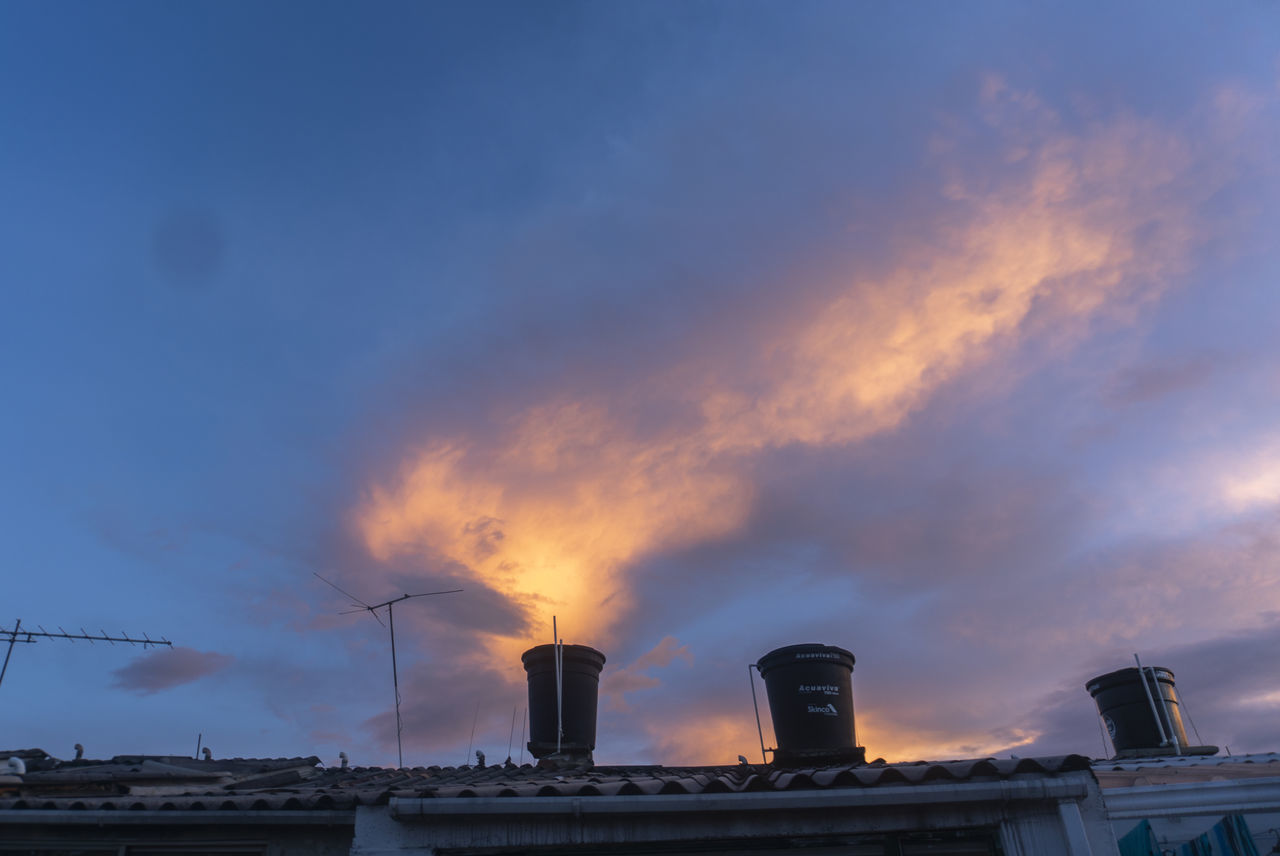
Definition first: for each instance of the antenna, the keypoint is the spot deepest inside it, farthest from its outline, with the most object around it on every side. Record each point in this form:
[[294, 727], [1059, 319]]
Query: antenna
[[472, 741], [525, 721], [512, 736], [372, 608], [17, 634]]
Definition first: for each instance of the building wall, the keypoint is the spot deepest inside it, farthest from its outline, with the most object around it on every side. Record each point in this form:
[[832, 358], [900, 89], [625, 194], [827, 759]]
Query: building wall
[[1058, 817], [110, 834], [1181, 812]]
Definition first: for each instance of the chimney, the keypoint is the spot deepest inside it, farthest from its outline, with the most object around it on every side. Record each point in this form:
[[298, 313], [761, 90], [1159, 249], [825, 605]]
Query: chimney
[[574, 710], [810, 689]]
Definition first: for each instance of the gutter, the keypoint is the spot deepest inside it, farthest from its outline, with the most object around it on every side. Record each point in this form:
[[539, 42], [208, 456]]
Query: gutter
[[1229, 797], [1057, 789]]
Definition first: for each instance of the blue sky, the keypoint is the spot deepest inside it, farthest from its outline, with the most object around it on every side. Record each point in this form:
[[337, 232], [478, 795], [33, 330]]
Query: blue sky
[[941, 333]]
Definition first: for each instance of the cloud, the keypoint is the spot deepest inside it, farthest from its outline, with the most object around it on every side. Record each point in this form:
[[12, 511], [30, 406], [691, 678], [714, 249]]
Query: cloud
[[569, 493], [1011, 658], [1229, 687], [167, 668], [1250, 477], [594, 496], [1140, 384], [637, 675]]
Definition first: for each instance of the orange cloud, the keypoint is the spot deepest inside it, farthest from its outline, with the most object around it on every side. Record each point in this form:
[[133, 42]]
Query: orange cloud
[[616, 683], [556, 512]]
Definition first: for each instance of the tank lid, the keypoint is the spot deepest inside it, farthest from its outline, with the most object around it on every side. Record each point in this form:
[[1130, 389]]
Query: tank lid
[[807, 653], [572, 653], [1120, 677]]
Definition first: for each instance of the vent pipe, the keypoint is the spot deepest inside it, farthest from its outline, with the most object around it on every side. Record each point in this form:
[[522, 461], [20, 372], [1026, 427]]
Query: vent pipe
[[563, 695], [1142, 713], [810, 689]]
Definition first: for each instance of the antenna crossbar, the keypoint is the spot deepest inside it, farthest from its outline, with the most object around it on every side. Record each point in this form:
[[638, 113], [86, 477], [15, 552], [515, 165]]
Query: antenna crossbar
[[17, 633]]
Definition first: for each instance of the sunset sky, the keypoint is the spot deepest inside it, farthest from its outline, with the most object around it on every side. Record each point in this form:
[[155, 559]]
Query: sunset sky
[[948, 333]]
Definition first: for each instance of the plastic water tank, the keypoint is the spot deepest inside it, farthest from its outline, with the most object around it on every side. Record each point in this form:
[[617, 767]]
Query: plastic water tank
[[581, 680], [1126, 709], [810, 689]]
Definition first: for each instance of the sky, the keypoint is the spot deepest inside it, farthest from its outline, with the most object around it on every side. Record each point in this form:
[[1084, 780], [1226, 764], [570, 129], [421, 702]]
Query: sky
[[943, 333]]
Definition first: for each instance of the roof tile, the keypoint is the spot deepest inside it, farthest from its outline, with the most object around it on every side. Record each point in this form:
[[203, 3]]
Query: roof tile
[[295, 784]]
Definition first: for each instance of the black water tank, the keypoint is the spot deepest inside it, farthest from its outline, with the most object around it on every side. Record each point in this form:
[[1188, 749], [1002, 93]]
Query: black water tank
[[1126, 709], [810, 691], [581, 678]]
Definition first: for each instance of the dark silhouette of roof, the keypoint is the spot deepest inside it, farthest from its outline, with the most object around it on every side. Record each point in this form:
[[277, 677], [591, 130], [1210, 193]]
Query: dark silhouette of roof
[[301, 784]]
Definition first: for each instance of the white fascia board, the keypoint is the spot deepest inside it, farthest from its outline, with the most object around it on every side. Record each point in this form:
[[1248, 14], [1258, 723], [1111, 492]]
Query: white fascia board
[[1068, 787]]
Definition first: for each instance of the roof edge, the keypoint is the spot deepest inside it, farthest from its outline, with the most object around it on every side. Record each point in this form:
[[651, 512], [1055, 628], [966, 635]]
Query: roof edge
[[1066, 786]]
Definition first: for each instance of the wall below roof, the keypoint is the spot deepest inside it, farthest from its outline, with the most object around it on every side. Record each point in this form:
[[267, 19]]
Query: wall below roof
[[110, 834], [1059, 816], [1181, 812]]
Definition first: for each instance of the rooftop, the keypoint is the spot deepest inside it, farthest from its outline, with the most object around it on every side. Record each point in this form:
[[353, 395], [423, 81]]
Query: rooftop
[[1185, 769], [164, 782]]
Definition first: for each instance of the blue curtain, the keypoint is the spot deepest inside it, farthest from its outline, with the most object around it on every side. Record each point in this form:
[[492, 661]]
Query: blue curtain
[[1139, 841], [1228, 837]]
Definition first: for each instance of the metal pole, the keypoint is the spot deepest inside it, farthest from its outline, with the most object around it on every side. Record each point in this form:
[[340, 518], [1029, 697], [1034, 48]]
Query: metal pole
[[472, 742], [524, 723], [511, 738], [395, 679], [13, 637], [756, 705]]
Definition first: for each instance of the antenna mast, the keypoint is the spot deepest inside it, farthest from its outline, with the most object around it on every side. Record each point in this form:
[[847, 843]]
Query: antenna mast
[[16, 634], [372, 608]]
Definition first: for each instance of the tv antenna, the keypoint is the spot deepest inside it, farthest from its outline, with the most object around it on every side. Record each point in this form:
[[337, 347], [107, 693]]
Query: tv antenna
[[372, 608], [16, 634]]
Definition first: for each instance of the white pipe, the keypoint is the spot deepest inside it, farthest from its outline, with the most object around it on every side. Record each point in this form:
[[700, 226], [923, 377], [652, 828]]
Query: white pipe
[[556, 647], [1142, 676], [760, 731], [1168, 714]]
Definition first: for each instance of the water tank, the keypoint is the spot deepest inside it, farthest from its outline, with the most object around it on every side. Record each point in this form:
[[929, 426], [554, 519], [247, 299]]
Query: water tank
[[581, 681], [810, 689], [1127, 710]]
